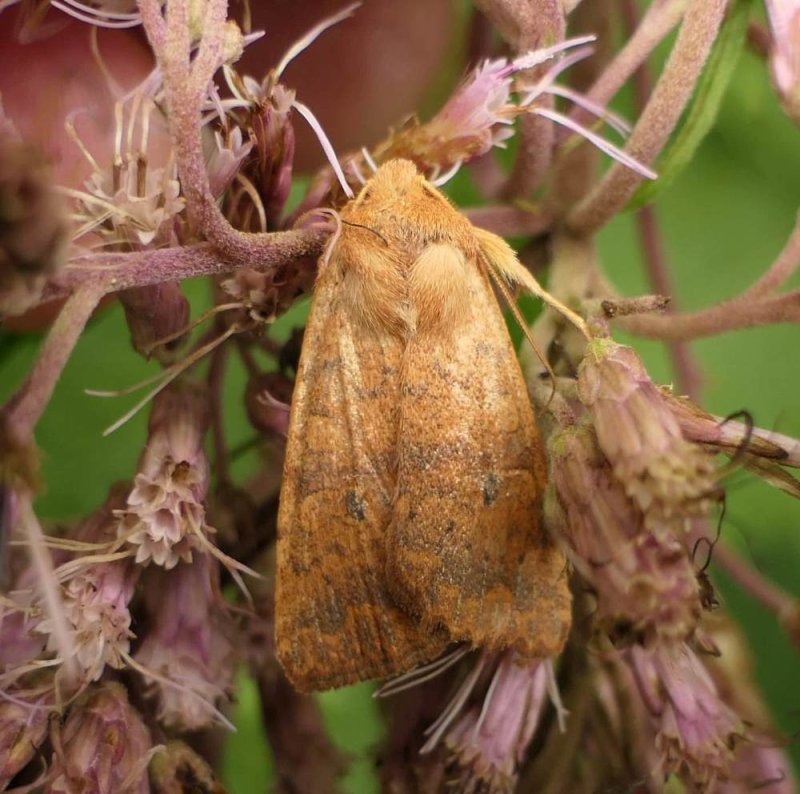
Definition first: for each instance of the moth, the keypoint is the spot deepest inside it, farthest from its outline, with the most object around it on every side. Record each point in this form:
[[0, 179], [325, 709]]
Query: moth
[[410, 510]]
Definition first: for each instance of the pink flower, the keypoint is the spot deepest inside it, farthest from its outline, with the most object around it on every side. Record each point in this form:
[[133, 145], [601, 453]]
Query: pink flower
[[103, 747], [188, 649], [165, 515], [696, 732]]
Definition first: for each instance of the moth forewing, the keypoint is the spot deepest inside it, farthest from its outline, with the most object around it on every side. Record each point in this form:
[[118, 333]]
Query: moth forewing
[[410, 507], [465, 547], [335, 621]]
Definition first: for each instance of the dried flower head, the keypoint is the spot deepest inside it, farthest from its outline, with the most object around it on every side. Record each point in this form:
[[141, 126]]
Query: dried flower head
[[644, 582], [23, 729], [132, 204], [187, 654], [165, 516], [104, 745], [669, 478], [156, 313]]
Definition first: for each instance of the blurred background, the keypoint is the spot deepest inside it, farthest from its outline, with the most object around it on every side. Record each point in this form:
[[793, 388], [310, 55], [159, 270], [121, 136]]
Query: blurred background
[[724, 220]]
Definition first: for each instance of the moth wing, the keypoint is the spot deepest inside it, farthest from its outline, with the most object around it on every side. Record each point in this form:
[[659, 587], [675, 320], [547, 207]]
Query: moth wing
[[335, 621], [466, 548]]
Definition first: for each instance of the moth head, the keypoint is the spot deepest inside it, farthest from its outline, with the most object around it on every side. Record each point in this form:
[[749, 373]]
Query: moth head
[[392, 180]]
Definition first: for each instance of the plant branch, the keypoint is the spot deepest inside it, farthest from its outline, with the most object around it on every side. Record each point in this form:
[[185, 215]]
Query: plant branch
[[510, 221], [727, 316], [769, 595], [787, 261], [121, 271], [659, 19], [25, 407], [664, 108]]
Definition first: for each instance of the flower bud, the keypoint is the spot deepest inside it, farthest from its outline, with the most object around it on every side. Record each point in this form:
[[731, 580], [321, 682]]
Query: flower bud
[[153, 313], [177, 769], [189, 644], [274, 141], [669, 478], [267, 400], [103, 747], [784, 23]]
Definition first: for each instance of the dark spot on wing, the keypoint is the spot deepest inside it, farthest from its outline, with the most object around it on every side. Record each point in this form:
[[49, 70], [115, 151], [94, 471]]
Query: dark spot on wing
[[355, 505]]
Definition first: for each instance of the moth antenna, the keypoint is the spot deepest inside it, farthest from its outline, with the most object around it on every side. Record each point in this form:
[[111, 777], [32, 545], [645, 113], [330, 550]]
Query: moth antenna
[[165, 340], [512, 305], [326, 144], [419, 675], [369, 229], [307, 39], [147, 673], [170, 375], [444, 178], [603, 145], [334, 238], [502, 259], [368, 159]]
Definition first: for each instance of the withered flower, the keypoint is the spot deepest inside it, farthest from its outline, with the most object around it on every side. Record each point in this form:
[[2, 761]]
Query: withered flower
[[165, 516], [104, 746], [643, 579], [669, 478], [187, 654]]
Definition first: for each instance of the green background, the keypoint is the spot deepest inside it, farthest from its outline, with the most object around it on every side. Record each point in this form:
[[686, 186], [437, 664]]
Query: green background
[[724, 220]]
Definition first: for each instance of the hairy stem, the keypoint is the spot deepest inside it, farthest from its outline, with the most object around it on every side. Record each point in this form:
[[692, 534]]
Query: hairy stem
[[664, 108], [26, 406], [121, 271]]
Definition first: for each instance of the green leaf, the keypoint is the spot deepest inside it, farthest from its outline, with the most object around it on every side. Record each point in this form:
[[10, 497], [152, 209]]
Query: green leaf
[[704, 106]]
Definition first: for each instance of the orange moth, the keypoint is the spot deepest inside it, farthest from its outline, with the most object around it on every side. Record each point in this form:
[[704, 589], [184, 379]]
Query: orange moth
[[410, 512]]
